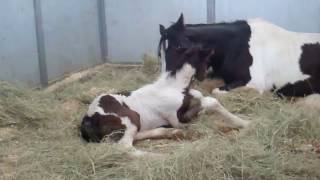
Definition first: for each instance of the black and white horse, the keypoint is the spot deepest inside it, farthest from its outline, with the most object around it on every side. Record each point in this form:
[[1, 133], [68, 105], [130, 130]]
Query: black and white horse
[[166, 102], [253, 53]]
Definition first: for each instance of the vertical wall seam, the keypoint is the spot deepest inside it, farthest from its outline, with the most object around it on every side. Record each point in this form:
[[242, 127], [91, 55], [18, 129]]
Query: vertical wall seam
[[103, 29], [211, 18], [40, 43]]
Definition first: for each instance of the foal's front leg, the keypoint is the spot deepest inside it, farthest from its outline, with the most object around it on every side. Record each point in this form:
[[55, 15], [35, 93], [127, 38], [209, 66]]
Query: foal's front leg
[[129, 133], [159, 133]]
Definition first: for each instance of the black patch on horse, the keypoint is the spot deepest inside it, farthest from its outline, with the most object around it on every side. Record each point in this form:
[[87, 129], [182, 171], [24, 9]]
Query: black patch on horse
[[230, 41], [310, 65]]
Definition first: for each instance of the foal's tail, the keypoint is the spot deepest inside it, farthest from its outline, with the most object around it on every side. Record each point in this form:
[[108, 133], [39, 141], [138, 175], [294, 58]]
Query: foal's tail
[[88, 130]]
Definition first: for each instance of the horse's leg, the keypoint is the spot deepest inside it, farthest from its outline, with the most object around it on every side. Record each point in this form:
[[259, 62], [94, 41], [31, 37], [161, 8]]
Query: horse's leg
[[129, 133], [212, 104], [191, 113], [129, 136], [159, 133]]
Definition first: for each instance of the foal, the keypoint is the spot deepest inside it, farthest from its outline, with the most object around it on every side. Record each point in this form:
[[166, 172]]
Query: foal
[[166, 102]]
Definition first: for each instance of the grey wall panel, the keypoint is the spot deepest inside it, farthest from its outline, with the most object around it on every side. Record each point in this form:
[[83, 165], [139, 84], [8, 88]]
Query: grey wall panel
[[18, 50], [295, 15], [71, 33], [133, 26]]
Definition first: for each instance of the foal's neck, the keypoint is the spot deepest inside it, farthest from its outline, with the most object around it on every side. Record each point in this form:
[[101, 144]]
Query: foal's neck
[[181, 79]]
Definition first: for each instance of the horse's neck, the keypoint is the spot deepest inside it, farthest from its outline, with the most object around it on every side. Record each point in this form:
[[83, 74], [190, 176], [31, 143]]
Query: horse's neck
[[181, 79]]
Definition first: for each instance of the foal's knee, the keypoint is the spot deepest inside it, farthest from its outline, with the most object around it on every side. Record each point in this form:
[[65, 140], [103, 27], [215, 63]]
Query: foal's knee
[[196, 94], [210, 103]]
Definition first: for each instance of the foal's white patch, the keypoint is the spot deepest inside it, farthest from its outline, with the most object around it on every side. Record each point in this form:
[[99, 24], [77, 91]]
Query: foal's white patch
[[129, 133], [94, 106], [209, 102], [276, 53], [195, 93], [157, 103]]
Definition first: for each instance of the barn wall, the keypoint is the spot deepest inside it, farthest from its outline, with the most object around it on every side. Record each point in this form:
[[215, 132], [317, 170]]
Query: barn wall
[[295, 15], [49, 38], [18, 47], [133, 26], [71, 31]]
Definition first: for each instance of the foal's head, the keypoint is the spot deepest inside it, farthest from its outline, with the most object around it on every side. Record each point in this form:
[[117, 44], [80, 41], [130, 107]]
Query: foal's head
[[195, 56]]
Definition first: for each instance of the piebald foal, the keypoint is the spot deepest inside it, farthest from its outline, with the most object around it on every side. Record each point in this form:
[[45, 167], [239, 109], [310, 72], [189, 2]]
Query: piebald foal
[[166, 102]]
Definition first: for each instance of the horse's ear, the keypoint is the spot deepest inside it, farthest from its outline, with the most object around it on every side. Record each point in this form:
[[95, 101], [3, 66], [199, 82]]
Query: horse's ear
[[180, 22], [162, 30]]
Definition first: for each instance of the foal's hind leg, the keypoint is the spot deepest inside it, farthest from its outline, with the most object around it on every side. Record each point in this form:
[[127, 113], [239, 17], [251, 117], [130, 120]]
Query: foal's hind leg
[[212, 104]]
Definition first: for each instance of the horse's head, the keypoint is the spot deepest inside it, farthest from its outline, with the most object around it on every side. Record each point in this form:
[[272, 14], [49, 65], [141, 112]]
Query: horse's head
[[195, 56], [176, 38], [175, 35]]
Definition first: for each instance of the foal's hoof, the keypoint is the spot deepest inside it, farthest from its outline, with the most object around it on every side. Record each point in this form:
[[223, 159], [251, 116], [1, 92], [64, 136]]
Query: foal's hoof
[[244, 124], [227, 130]]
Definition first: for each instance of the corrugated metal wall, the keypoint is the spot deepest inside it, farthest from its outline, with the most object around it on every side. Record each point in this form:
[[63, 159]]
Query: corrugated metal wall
[[133, 28], [71, 31], [63, 36], [18, 45], [295, 15]]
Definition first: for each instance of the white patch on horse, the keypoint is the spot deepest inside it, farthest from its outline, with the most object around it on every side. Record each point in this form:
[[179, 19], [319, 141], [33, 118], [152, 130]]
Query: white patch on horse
[[129, 134], [276, 53], [164, 97], [195, 93], [94, 107]]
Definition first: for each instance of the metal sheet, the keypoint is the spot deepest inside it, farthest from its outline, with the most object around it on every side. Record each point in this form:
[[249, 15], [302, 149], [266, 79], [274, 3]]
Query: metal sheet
[[133, 26], [295, 15], [18, 49], [71, 33]]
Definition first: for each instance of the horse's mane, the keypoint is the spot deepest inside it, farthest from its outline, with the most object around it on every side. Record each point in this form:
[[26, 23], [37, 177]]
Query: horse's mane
[[217, 24]]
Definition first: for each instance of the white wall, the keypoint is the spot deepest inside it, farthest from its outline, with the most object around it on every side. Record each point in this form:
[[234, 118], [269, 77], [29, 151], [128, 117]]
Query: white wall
[[133, 25]]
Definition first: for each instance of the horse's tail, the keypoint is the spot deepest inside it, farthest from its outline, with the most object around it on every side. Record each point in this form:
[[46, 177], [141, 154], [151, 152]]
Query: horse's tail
[[88, 130]]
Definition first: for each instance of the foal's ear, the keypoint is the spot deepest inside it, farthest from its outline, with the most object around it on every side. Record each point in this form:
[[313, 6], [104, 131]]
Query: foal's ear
[[162, 30], [180, 23], [206, 53]]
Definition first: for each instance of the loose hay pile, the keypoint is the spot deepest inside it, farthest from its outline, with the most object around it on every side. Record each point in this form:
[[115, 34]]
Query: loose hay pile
[[39, 137]]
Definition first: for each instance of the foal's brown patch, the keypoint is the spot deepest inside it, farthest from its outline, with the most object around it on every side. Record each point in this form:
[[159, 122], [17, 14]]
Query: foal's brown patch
[[96, 127], [110, 105], [189, 108]]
